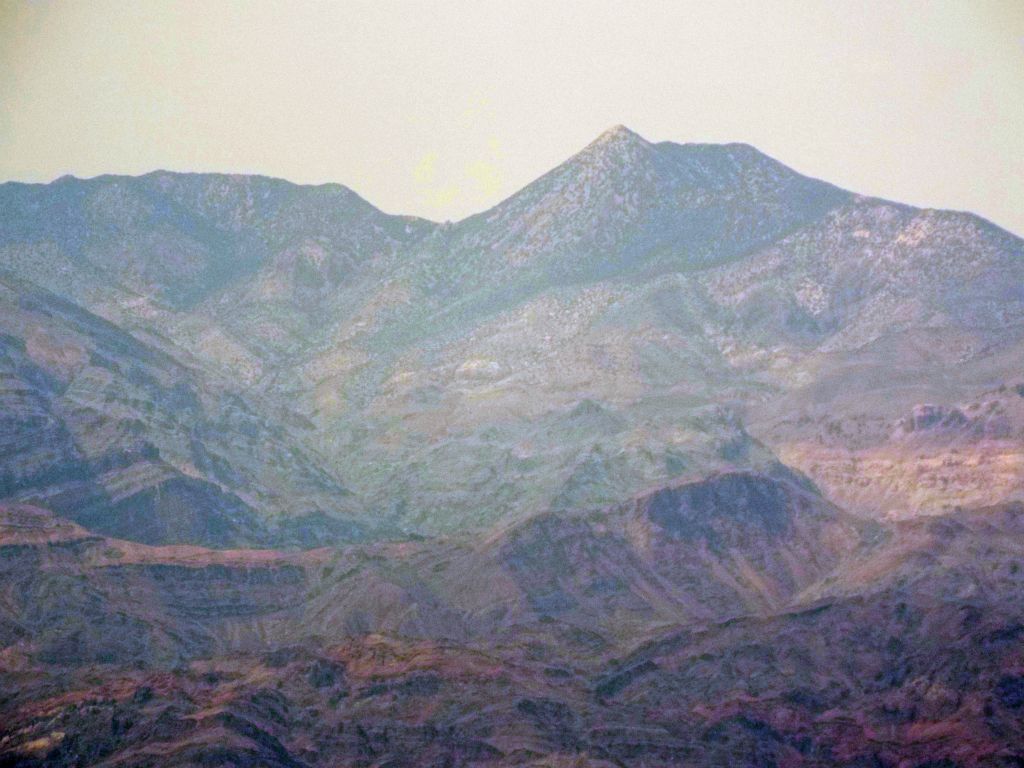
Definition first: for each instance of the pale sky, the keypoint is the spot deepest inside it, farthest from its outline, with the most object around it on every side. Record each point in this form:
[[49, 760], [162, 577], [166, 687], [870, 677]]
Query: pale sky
[[443, 109]]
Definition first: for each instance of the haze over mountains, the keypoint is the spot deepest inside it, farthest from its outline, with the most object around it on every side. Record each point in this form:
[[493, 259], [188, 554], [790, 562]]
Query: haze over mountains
[[612, 325], [676, 456]]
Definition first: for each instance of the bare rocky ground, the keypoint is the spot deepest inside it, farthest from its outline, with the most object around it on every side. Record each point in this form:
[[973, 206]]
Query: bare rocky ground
[[310, 370], [901, 648], [675, 457]]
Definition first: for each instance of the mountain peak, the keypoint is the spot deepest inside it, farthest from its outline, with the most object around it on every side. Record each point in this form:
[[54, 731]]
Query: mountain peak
[[618, 135]]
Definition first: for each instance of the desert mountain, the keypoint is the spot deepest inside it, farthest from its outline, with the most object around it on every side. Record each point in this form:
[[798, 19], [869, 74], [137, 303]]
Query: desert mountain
[[821, 641], [643, 311], [676, 456]]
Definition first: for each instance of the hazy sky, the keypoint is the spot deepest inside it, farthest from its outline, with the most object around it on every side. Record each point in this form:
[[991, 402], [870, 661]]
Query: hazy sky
[[442, 109]]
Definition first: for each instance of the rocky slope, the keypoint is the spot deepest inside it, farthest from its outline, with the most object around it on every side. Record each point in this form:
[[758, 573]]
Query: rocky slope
[[936, 458], [609, 327], [711, 549], [900, 651], [134, 441], [675, 457], [583, 291]]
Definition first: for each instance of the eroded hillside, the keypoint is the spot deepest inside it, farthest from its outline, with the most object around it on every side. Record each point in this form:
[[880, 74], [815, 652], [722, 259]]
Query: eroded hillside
[[622, 321]]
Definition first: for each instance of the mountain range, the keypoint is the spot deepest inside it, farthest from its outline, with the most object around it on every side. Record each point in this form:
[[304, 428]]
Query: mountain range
[[674, 457]]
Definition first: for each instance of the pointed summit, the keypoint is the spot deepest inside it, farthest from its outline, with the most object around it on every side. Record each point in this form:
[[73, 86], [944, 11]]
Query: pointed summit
[[615, 152], [623, 201], [618, 136], [618, 133]]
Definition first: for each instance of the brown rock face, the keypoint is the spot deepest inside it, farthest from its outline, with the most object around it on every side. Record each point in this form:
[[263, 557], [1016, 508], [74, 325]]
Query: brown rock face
[[935, 459], [674, 458], [901, 647]]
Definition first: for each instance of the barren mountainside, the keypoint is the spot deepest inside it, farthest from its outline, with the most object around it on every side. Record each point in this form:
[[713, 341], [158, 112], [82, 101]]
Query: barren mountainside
[[687, 293], [674, 457]]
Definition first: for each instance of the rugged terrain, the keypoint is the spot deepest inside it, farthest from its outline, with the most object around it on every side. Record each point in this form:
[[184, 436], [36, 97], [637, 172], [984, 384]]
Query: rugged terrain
[[635, 314], [890, 646], [674, 457]]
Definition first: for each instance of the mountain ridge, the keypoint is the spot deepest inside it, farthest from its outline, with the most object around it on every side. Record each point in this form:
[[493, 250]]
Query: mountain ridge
[[684, 289], [809, 684], [675, 456], [612, 131]]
